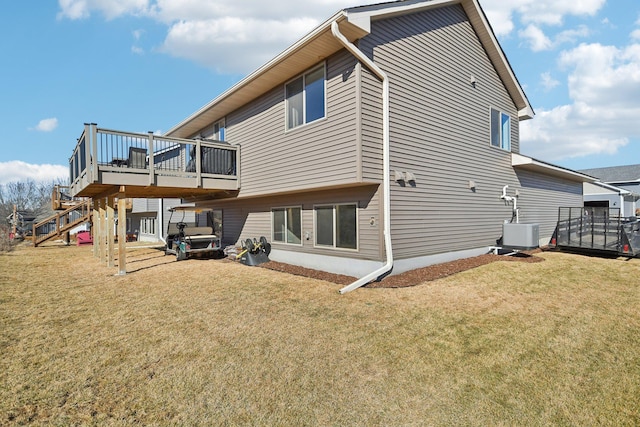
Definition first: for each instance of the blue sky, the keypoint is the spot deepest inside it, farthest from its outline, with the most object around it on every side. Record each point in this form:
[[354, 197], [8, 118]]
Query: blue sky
[[144, 65]]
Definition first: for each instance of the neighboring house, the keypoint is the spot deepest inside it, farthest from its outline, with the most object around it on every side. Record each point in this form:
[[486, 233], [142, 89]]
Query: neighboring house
[[382, 138], [619, 187]]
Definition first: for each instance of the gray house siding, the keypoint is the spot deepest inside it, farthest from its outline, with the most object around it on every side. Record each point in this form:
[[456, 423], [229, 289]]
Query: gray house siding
[[323, 153], [440, 132], [442, 88], [540, 198], [371, 125], [324, 162], [248, 219]]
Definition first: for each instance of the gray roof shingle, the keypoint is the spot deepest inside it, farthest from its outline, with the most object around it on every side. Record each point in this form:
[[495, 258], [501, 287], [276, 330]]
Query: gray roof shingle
[[613, 174]]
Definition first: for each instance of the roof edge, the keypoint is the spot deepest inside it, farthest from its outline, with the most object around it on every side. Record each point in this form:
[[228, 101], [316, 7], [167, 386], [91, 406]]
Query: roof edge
[[529, 163], [263, 69]]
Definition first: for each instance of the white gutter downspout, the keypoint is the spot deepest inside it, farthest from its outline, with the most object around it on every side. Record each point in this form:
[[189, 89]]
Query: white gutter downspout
[[161, 220], [335, 30]]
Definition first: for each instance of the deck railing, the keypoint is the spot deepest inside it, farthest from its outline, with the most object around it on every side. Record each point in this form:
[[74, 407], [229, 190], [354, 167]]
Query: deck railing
[[61, 222], [103, 150]]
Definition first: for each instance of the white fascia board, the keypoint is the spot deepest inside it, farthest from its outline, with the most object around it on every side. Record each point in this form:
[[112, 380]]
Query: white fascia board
[[526, 114], [612, 188], [528, 163]]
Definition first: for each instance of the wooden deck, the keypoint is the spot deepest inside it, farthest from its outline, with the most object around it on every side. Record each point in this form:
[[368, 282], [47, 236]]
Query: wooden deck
[[151, 166]]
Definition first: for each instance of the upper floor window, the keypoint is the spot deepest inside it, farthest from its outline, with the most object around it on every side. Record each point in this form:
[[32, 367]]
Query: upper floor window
[[305, 98], [218, 130], [500, 129]]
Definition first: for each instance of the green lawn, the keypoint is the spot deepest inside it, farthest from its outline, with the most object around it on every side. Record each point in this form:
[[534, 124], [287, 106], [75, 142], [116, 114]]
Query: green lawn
[[212, 342]]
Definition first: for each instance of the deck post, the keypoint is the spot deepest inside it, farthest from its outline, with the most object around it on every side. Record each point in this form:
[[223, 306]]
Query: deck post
[[94, 153], [198, 164], [151, 161], [122, 232], [103, 231], [110, 230], [88, 153], [95, 228]]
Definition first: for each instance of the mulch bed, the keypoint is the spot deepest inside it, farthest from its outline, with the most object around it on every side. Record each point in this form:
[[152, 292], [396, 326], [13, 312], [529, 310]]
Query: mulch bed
[[409, 278]]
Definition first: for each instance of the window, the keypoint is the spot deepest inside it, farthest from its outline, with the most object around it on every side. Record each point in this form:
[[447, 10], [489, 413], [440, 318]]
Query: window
[[500, 130], [336, 226], [287, 225], [218, 131], [305, 98], [148, 225]]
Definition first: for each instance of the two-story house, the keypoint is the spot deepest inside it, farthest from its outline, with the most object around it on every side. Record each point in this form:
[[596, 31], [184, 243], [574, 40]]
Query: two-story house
[[393, 121], [380, 142]]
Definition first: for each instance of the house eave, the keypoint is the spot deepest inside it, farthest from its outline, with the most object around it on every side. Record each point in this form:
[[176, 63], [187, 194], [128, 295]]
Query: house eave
[[518, 161], [319, 44], [363, 15], [308, 51]]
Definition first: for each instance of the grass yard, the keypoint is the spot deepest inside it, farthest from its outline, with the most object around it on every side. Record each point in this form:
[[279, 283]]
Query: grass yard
[[212, 342]]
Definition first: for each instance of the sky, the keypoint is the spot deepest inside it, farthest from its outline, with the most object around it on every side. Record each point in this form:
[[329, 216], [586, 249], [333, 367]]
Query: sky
[[145, 65]]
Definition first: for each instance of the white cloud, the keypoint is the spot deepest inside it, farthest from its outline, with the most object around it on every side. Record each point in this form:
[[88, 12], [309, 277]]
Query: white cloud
[[80, 9], [548, 82], [212, 32], [217, 43], [47, 125], [635, 34], [536, 38], [501, 13], [538, 41], [604, 86], [570, 36], [17, 170]]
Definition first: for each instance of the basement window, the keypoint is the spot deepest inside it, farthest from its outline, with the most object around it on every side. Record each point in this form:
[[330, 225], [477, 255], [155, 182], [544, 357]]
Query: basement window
[[305, 98], [337, 226], [287, 225]]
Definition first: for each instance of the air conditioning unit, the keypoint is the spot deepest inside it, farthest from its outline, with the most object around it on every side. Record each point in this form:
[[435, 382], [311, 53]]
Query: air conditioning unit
[[520, 236]]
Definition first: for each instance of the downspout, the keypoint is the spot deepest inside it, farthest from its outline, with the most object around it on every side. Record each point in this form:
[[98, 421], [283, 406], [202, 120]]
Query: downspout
[[386, 201], [161, 220]]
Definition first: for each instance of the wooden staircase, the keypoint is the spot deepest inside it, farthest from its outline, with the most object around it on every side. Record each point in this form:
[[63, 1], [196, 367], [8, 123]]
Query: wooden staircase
[[61, 222]]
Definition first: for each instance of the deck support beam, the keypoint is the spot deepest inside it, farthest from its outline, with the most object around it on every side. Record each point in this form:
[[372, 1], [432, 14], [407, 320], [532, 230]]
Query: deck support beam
[[95, 225], [110, 230], [101, 230], [122, 231]]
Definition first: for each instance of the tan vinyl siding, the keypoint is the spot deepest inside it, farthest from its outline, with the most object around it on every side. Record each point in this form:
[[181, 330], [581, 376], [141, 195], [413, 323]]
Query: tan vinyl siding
[[243, 219], [440, 132], [319, 154], [371, 118], [542, 195]]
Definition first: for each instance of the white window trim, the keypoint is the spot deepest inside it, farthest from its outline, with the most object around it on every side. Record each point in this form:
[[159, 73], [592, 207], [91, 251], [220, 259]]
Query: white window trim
[[301, 227], [222, 124], [499, 147], [334, 247], [145, 223], [304, 98]]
